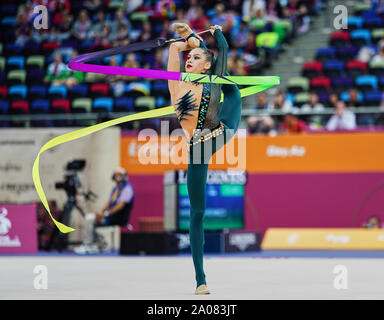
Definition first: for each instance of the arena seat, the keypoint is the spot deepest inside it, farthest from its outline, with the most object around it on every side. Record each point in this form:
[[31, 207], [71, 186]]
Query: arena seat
[[354, 23], [78, 91], [325, 54], [346, 53], [81, 105], [57, 92], [35, 62], [373, 98], [333, 69], [356, 68], [376, 68], [4, 107], [301, 98], [15, 77], [377, 35], [124, 105], [102, 105], [360, 37], [61, 106], [144, 103], [35, 76], [40, 106], [312, 69], [15, 62], [366, 83], [99, 90], [37, 92], [3, 92], [19, 107], [340, 84], [297, 84], [339, 39], [17, 92], [320, 84]]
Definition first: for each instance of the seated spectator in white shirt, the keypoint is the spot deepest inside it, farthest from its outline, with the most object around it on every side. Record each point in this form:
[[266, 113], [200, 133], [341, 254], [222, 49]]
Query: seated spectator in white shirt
[[279, 102], [380, 56], [315, 106], [343, 119]]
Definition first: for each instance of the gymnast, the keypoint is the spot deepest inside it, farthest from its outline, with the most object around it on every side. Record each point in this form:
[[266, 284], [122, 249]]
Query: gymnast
[[207, 123]]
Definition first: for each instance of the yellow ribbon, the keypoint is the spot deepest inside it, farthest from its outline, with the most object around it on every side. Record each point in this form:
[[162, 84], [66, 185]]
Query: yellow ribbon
[[89, 130]]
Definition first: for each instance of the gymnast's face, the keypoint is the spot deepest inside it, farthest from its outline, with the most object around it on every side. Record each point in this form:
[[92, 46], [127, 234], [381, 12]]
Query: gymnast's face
[[196, 62]]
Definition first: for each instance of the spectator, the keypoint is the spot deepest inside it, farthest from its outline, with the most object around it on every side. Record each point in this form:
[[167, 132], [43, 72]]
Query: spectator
[[274, 10], [313, 105], [122, 37], [82, 26], [221, 18], [292, 124], [70, 77], [192, 11], [343, 119], [159, 63], [353, 100], [261, 123], [118, 20], [279, 102], [97, 27], [297, 12], [250, 6], [201, 22], [332, 100], [146, 33], [104, 40], [56, 70], [372, 223], [380, 56], [116, 211], [239, 35]]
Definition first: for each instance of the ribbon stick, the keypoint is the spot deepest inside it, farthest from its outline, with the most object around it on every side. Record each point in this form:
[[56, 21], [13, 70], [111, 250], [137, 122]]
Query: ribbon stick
[[257, 84]]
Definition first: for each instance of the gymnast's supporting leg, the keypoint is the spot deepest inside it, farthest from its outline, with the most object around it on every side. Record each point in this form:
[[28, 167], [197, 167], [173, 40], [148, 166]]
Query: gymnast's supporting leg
[[196, 182]]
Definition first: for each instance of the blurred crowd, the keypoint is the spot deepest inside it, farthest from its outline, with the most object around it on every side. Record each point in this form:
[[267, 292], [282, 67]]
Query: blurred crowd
[[97, 28]]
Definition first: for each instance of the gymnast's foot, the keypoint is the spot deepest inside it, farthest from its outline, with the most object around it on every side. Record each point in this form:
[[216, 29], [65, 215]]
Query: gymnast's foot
[[202, 289], [185, 31]]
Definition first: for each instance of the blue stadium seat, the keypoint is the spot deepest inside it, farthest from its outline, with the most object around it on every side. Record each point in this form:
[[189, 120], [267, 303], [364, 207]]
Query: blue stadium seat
[[354, 23], [35, 77], [340, 84], [40, 106], [15, 62], [12, 49], [373, 22], [78, 91], [373, 98], [17, 92], [9, 21], [325, 54], [57, 92], [4, 106], [124, 105], [8, 10], [103, 105], [360, 37], [37, 92], [367, 83], [333, 68]]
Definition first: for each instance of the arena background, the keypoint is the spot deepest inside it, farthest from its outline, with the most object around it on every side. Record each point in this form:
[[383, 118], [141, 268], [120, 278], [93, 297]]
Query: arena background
[[314, 169]]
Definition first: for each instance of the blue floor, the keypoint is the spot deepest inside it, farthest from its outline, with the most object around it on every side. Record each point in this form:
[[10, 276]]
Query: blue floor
[[257, 254]]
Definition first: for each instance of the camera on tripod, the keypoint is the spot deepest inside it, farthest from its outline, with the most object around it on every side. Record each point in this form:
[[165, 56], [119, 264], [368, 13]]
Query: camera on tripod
[[71, 181]]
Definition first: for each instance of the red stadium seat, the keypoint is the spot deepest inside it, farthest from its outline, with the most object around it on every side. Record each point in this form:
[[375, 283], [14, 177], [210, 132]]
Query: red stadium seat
[[320, 84], [312, 69], [356, 68], [339, 39], [61, 106], [3, 92], [99, 90], [19, 107]]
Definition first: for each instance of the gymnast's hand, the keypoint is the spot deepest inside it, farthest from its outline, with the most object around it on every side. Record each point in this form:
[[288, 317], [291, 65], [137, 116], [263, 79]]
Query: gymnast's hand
[[181, 46], [213, 28]]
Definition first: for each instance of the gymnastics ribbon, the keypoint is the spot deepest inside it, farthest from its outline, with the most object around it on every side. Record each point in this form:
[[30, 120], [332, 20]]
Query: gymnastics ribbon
[[259, 83]]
